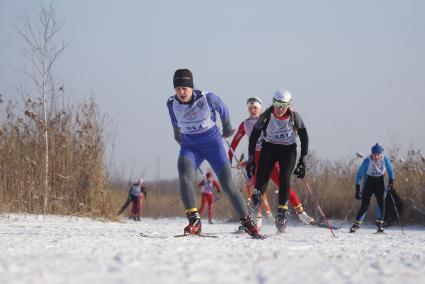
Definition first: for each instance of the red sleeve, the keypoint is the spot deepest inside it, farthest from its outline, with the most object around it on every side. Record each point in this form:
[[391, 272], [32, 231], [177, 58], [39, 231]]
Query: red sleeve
[[216, 185], [236, 139], [200, 184]]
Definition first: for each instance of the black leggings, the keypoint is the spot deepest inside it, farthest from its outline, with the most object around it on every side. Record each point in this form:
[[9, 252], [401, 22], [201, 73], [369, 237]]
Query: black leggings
[[374, 185], [271, 154]]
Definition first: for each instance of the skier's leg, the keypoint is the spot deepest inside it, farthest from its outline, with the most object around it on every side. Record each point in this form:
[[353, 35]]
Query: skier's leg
[[127, 202], [134, 206], [187, 162], [366, 196], [203, 203], [215, 154], [287, 161], [286, 165], [210, 200], [140, 206], [264, 169], [380, 192], [137, 202]]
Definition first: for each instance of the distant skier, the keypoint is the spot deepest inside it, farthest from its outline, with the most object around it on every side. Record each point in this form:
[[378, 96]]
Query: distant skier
[[278, 126], [371, 173], [135, 197], [193, 115], [207, 186], [245, 128]]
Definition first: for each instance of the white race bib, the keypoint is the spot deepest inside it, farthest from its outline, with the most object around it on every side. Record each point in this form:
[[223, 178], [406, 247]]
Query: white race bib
[[193, 118], [376, 168], [280, 131]]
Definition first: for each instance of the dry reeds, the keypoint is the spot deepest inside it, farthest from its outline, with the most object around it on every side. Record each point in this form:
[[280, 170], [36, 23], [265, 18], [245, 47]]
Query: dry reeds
[[77, 173]]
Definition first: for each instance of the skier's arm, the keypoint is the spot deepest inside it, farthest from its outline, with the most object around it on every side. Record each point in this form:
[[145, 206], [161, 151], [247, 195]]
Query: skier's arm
[[302, 133], [176, 128], [218, 106], [201, 184], [261, 124], [142, 189], [362, 171], [390, 170], [235, 141], [217, 186]]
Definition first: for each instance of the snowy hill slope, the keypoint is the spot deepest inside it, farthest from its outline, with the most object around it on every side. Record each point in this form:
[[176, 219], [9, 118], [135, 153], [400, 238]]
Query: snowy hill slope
[[54, 249]]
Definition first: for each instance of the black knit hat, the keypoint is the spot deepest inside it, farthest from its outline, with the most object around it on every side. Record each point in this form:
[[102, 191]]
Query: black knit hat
[[183, 78]]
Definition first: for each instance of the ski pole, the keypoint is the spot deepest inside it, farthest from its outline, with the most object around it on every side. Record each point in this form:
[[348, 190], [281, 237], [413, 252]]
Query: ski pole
[[237, 161], [396, 213], [318, 207]]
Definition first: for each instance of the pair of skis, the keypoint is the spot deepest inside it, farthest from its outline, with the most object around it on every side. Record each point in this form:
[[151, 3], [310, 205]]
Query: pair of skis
[[203, 235]]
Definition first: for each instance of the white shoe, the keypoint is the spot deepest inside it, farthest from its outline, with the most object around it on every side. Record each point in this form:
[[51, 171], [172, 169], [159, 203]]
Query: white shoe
[[307, 220]]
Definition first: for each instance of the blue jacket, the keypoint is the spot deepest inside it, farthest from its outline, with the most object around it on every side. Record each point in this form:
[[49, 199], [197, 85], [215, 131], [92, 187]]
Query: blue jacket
[[215, 104], [362, 172]]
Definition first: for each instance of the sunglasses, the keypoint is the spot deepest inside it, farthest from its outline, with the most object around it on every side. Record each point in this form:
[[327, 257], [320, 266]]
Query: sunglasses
[[279, 104]]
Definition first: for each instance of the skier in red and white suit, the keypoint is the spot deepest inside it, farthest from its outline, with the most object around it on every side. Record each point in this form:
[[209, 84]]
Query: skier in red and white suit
[[207, 187], [245, 128]]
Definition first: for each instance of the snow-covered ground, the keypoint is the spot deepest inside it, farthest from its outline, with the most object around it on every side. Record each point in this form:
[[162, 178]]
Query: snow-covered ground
[[53, 249]]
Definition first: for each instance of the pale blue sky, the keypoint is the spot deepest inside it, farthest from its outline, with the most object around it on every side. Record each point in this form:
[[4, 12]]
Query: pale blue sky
[[355, 68]]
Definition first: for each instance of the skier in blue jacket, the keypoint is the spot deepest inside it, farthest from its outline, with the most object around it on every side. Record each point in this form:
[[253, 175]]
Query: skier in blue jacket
[[371, 173], [193, 116]]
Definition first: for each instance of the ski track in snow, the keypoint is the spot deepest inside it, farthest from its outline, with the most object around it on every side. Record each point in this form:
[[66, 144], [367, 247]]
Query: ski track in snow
[[55, 249]]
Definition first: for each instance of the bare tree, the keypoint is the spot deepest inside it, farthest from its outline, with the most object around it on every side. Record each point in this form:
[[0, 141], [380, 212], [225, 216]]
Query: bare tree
[[40, 53]]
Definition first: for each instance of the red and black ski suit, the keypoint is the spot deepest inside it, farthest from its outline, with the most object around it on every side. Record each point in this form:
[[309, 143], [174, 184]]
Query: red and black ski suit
[[207, 187]]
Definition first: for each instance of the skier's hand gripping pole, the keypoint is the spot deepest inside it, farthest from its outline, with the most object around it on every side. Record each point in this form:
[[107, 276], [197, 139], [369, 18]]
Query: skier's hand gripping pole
[[237, 161], [318, 206]]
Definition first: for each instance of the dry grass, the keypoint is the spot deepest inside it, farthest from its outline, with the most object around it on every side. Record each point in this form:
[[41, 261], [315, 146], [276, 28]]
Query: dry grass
[[77, 165]]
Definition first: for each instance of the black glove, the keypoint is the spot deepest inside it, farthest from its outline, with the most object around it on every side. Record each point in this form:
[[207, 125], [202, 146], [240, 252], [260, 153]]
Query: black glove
[[177, 134], [250, 167], [358, 195], [227, 129], [300, 169], [390, 185]]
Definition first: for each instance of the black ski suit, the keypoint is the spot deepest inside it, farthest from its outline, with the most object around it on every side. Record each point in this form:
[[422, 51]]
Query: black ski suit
[[279, 146]]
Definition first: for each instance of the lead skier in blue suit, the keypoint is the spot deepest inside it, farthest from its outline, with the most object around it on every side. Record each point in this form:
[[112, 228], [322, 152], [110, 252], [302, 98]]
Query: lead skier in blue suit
[[193, 115], [371, 173]]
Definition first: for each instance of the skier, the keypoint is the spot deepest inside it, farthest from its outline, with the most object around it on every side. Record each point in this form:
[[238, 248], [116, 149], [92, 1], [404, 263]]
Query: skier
[[207, 185], [193, 117], [135, 197], [245, 128], [371, 173], [277, 126]]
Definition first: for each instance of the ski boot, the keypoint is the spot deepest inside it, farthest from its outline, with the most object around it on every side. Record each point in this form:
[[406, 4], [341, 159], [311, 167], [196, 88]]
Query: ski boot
[[355, 226], [210, 221], [255, 206], [194, 227], [280, 220], [379, 226], [303, 216], [249, 226]]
